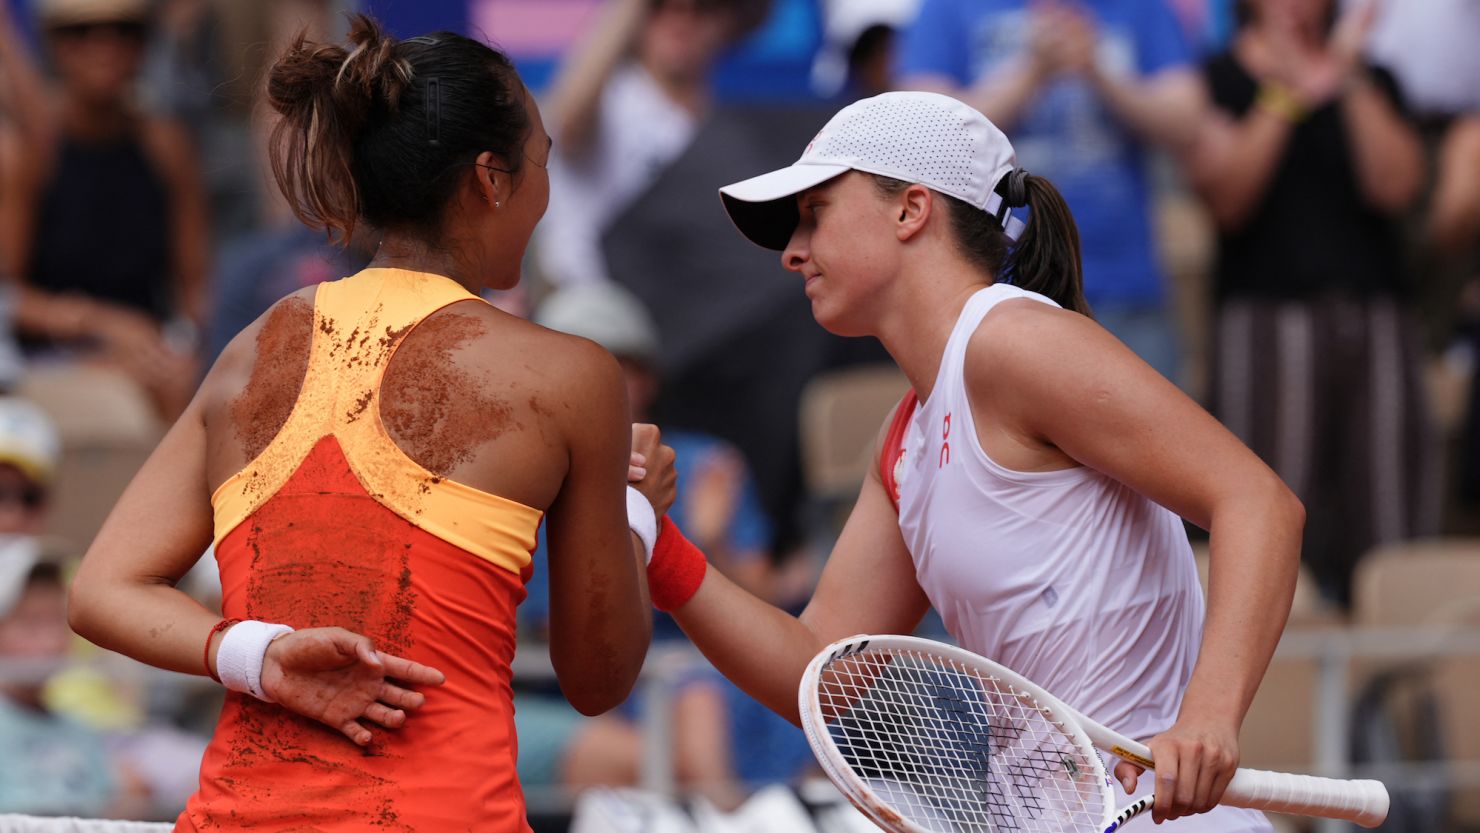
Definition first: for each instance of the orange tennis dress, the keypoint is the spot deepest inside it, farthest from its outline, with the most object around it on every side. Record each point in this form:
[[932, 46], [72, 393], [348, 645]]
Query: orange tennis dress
[[333, 525]]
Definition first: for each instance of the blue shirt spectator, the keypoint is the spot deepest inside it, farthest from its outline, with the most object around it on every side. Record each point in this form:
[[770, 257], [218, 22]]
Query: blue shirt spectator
[[1080, 89]]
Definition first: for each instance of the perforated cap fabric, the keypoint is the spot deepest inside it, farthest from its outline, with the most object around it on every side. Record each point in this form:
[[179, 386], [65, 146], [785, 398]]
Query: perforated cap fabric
[[926, 138]]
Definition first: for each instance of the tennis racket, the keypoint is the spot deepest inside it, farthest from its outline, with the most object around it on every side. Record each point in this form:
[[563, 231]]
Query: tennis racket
[[928, 738]]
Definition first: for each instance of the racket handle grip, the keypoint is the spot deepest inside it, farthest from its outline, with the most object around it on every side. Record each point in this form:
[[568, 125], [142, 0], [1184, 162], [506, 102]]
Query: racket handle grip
[[1363, 802]]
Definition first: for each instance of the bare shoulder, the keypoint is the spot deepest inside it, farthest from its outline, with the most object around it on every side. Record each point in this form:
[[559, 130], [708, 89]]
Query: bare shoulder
[[470, 372], [1022, 335], [258, 375], [556, 361], [1029, 359]]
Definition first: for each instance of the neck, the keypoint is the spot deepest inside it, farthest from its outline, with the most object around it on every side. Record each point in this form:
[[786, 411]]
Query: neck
[[401, 252], [96, 120], [917, 325]]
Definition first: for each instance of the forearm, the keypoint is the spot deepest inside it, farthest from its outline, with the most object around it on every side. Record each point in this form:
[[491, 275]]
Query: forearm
[[151, 622], [1255, 553], [1162, 109], [54, 315], [24, 87], [575, 99], [598, 647], [759, 647], [1001, 96], [1233, 165], [1385, 149]]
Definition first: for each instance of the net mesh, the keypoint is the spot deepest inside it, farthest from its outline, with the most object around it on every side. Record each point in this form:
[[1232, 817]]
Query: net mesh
[[950, 749]]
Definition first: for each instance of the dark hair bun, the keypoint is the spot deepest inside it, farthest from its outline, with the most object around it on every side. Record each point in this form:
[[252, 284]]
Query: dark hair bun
[[354, 141]]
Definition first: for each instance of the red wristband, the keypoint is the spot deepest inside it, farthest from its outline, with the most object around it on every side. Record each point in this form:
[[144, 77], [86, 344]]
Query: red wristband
[[206, 657], [677, 568]]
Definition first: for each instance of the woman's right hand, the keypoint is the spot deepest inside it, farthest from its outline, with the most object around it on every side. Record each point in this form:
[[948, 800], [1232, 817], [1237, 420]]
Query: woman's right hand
[[338, 678], [659, 483]]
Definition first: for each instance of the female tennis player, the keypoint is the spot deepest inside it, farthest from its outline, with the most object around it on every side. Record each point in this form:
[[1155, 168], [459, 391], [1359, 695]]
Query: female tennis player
[[372, 458], [1030, 485]]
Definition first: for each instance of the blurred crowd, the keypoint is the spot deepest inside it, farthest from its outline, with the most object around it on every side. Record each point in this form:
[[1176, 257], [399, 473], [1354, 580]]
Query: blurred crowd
[[1278, 200]]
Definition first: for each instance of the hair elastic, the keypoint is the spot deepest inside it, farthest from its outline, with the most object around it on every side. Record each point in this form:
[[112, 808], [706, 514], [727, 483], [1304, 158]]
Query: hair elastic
[[1014, 192], [1017, 188], [434, 110]]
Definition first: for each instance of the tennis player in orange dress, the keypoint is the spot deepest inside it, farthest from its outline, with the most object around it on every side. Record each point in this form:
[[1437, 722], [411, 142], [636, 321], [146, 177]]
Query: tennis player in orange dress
[[372, 460]]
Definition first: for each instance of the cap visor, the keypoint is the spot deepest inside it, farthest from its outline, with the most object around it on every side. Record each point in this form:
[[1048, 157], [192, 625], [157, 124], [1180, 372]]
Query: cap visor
[[763, 207]]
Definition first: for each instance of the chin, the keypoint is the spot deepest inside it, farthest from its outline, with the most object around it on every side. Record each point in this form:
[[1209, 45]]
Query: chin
[[838, 324]]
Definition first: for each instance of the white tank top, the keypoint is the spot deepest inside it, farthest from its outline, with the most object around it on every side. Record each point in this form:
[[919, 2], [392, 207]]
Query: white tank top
[[1069, 577]]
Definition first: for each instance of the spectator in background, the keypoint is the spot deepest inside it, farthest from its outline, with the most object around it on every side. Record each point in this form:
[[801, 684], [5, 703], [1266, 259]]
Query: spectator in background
[[722, 737], [858, 45], [1306, 161], [1084, 89], [102, 220], [1430, 48], [627, 101], [52, 765], [83, 731], [29, 450]]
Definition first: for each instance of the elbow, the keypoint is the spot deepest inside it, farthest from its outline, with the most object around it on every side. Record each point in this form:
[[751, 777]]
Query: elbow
[[593, 695], [82, 607], [1286, 511], [597, 684]]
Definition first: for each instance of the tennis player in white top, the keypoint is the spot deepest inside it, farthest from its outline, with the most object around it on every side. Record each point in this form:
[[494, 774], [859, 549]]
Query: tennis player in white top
[[1031, 484]]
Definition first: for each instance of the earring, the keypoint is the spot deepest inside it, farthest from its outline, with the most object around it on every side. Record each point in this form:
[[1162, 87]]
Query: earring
[[497, 204]]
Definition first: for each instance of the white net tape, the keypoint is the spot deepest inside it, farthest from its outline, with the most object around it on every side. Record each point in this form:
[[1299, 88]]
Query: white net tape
[[952, 750], [37, 824]]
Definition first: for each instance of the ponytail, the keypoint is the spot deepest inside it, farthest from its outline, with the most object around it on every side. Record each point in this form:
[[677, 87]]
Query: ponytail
[[1046, 257]]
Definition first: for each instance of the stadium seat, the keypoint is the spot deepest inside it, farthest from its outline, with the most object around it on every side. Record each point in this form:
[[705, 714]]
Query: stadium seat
[[1433, 583]]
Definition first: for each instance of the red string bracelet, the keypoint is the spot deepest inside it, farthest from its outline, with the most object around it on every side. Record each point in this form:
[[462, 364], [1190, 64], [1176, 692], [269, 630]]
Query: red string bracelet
[[677, 568], [206, 657]]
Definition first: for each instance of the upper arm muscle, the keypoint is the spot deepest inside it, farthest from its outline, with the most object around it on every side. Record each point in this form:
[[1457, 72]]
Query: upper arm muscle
[[1096, 401]]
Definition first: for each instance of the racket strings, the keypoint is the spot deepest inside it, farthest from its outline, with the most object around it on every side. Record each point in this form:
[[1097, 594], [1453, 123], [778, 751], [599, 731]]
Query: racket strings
[[950, 749]]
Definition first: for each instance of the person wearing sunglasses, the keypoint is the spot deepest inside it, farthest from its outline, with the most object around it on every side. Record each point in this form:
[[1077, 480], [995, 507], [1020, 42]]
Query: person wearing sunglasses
[[103, 224]]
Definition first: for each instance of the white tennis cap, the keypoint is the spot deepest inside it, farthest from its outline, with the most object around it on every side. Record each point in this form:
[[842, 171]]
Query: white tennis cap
[[926, 138]]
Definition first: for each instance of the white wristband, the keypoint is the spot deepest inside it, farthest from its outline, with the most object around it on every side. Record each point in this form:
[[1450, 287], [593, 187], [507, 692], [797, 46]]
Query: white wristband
[[642, 520], [239, 658]]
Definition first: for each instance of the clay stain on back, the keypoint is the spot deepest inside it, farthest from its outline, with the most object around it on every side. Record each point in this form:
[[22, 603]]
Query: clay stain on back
[[264, 405], [419, 390]]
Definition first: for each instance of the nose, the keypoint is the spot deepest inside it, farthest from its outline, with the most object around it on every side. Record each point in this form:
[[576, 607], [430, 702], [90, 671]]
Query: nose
[[798, 250]]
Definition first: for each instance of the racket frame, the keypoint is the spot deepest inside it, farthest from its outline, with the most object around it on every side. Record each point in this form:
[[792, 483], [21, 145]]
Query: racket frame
[[1364, 802]]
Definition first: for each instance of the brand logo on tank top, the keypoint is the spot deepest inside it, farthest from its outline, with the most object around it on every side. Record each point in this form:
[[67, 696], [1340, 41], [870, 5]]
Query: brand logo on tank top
[[945, 442]]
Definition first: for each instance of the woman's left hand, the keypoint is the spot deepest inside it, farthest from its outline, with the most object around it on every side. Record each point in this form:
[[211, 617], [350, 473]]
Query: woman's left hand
[[338, 678], [1195, 760]]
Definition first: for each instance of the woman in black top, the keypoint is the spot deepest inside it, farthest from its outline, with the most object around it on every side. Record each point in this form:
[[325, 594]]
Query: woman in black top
[[1305, 161], [102, 211]]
